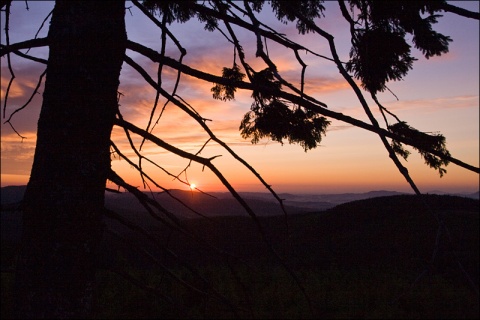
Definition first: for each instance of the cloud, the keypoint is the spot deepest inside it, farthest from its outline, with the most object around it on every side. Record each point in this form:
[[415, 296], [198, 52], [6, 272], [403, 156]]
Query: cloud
[[17, 151], [436, 104], [16, 89], [17, 154], [26, 79], [318, 85], [339, 127]]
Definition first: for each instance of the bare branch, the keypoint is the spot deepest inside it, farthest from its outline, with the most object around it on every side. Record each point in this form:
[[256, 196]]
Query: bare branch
[[157, 262], [224, 181], [160, 25], [32, 43], [10, 69], [460, 11], [225, 255], [117, 150], [35, 91], [41, 26], [29, 57], [199, 120]]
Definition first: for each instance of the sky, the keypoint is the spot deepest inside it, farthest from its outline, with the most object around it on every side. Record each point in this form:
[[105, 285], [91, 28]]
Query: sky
[[440, 94]]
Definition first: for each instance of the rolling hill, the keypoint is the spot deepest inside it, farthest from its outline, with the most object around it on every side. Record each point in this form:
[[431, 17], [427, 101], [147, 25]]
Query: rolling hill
[[384, 231], [357, 250]]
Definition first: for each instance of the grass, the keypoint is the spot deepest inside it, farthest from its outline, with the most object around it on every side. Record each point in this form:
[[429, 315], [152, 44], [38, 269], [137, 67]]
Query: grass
[[272, 294]]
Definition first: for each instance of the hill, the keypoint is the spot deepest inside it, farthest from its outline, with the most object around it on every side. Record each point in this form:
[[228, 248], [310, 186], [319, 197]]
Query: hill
[[394, 231], [354, 260]]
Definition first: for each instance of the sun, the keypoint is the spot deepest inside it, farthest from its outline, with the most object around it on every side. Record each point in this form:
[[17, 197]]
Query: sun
[[192, 186]]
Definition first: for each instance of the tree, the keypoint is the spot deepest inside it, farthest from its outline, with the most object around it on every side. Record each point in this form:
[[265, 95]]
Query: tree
[[65, 196], [87, 42]]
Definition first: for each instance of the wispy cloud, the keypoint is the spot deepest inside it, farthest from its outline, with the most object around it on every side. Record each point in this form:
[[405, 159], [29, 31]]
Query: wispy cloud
[[26, 79], [17, 154], [433, 105], [318, 85]]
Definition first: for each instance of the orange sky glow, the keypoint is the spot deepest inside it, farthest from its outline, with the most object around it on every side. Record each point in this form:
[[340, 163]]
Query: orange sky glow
[[438, 95]]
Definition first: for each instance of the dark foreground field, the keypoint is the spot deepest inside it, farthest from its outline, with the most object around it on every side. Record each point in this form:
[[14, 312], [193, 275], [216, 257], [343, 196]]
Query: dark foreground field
[[357, 260]]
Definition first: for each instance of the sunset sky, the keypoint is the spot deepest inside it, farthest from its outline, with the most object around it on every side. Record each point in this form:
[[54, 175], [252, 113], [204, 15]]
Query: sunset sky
[[439, 95]]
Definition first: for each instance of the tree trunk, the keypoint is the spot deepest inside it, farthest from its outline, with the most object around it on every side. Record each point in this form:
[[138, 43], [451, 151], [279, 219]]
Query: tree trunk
[[63, 203]]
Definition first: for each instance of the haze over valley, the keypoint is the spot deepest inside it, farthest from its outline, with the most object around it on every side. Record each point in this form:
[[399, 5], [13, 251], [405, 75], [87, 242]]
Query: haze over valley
[[223, 203]]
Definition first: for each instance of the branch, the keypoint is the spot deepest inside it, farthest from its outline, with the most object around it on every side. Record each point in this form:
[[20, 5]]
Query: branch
[[43, 23], [155, 57], [12, 74], [145, 201], [225, 255], [139, 284], [261, 53], [32, 43], [35, 91], [29, 57], [208, 164], [460, 11], [142, 197], [160, 25], [440, 221], [153, 181], [4, 3], [360, 97], [157, 262], [200, 120], [139, 247]]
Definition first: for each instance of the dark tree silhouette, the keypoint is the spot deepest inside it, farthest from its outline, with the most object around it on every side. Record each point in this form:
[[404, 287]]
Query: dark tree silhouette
[[87, 41], [64, 200]]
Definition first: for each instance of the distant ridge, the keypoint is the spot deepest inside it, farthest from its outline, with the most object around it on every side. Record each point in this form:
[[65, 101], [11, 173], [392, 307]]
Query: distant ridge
[[218, 203], [384, 230], [394, 231], [13, 194], [224, 204]]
